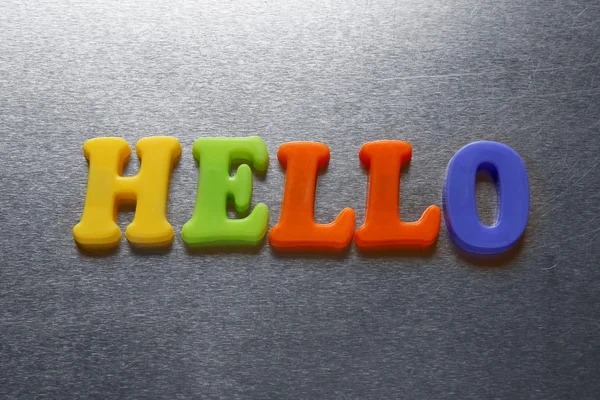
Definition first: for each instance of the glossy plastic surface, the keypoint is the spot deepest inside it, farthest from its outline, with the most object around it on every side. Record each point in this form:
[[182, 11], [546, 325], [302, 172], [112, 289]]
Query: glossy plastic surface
[[210, 225], [508, 171], [297, 229], [107, 190], [383, 229]]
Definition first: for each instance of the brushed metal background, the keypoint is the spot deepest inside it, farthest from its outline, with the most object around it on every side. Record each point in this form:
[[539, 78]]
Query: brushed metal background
[[438, 74]]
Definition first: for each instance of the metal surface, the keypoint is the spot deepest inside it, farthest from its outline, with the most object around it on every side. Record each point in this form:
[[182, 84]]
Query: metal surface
[[438, 74]]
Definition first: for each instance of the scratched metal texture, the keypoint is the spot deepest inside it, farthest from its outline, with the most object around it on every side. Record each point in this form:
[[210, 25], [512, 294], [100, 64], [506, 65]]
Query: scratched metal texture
[[439, 74]]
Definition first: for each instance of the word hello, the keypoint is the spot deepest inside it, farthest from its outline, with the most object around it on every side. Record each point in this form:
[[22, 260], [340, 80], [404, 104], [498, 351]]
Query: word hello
[[296, 230]]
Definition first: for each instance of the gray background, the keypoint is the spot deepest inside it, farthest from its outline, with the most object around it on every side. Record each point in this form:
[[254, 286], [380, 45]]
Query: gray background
[[439, 74]]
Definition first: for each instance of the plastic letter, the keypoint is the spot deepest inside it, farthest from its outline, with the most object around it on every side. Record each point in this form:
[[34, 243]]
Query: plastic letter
[[107, 189], [383, 229], [508, 170], [210, 225], [297, 229]]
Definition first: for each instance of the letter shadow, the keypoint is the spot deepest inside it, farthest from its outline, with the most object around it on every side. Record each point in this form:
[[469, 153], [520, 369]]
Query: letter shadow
[[503, 260], [225, 249], [102, 252], [311, 255], [428, 252], [97, 251]]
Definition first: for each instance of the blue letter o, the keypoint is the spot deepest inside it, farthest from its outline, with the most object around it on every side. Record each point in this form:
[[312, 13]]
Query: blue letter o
[[507, 169]]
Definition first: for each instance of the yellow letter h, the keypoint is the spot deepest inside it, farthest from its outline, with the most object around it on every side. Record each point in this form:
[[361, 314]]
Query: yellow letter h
[[107, 188]]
